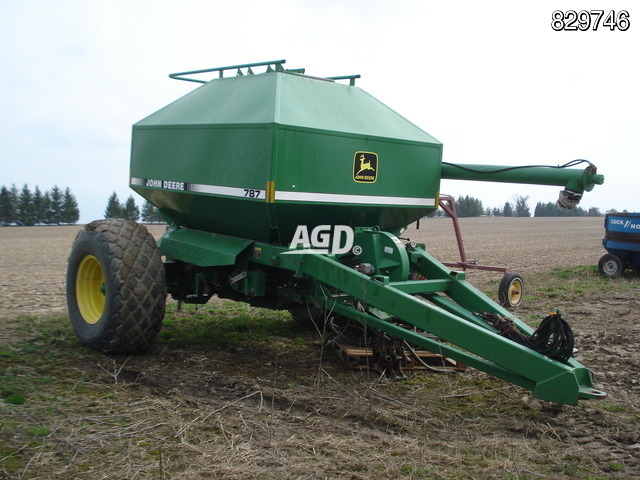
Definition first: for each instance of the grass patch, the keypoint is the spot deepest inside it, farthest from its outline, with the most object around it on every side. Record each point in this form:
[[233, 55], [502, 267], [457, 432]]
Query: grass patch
[[573, 285], [15, 399], [569, 285], [229, 325], [416, 472], [610, 407], [38, 431]]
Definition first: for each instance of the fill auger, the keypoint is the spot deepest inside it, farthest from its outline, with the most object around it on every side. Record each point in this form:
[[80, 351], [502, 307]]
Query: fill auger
[[290, 192]]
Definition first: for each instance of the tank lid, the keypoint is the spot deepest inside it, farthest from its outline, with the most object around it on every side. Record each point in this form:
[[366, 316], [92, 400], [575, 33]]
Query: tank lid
[[287, 98]]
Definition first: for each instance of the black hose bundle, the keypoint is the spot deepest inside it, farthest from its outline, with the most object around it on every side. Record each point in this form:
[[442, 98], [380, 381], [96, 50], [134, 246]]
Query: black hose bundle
[[553, 337]]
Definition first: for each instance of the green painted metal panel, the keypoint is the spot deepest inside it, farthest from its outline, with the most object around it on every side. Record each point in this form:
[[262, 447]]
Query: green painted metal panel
[[232, 156], [237, 100], [324, 105], [323, 161], [202, 249], [207, 178]]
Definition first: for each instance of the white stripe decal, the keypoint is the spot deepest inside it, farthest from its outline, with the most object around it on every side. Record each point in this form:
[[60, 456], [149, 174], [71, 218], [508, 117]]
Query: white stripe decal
[[228, 191], [256, 194], [251, 193], [360, 199]]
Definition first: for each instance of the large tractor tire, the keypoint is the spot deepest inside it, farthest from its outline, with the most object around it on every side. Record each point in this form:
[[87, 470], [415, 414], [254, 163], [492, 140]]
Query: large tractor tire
[[116, 289]]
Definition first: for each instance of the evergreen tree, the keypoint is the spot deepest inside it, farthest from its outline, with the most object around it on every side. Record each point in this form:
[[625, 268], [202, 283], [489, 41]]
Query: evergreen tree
[[114, 207], [150, 213], [496, 212], [131, 210], [468, 207], [146, 213], [7, 207], [522, 208], [15, 197], [55, 206], [46, 202], [507, 211], [70, 211], [38, 206], [25, 213], [594, 212]]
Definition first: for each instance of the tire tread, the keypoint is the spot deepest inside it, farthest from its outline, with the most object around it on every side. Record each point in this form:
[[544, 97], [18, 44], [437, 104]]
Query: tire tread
[[138, 281]]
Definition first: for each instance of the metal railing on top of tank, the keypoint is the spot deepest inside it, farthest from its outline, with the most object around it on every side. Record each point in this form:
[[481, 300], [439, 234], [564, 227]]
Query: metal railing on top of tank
[[275, 65]]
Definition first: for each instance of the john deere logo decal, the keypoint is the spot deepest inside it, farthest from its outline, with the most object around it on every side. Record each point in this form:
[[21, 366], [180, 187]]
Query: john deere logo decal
[[365, 167]]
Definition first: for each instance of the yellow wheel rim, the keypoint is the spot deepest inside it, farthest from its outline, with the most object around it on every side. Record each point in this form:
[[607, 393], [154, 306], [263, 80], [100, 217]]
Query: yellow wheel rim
[[515, 292], [90, 289]]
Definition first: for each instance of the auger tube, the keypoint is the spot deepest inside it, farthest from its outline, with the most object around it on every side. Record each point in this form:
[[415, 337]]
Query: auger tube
[[572, 179]]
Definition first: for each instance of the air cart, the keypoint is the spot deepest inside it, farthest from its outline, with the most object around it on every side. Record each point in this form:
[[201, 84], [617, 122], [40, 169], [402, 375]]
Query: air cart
[[290, 191], [622, 242]]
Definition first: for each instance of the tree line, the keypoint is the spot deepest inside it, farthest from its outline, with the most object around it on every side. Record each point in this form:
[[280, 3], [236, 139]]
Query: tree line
[[551, 210], [468, 206], [23, 207], [472, 207], [130, 211], [57, 207]]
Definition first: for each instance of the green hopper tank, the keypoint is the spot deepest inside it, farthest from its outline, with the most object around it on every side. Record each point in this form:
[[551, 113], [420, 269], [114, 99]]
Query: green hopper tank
[[256, 155]]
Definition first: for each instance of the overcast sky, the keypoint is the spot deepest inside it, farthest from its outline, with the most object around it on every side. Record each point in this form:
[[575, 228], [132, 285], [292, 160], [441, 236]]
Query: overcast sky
[[491, 80]]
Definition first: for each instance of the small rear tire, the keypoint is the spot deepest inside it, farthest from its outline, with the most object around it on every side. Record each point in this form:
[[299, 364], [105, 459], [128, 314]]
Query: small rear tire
[[116, 290], [610, 266], [511, 290]]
